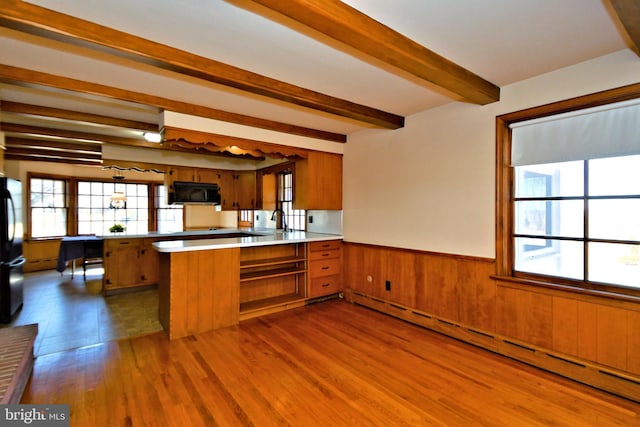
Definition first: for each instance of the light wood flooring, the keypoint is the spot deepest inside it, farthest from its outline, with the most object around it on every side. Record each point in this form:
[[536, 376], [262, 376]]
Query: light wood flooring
[[327, 364]]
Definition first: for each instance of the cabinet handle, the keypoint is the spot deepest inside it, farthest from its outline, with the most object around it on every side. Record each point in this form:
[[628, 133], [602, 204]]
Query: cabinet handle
[[325, 268], [326, 254], [324, 285]]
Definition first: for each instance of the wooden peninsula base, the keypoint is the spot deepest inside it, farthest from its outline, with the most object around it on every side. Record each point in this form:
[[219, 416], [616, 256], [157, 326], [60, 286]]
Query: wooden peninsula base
[[215, 283], [198, 291]]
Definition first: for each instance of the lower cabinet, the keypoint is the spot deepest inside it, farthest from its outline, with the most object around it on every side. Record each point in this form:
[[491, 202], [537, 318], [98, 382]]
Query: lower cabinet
[[129, 263], [325, 268]]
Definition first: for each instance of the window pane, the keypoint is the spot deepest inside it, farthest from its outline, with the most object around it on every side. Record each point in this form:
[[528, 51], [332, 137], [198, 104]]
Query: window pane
[[615, 264], [614, 219], [100, 217], [169, 217], [48, 207], [549, 257], [614, 176], [563, 218], [84, 188], [552, 180]]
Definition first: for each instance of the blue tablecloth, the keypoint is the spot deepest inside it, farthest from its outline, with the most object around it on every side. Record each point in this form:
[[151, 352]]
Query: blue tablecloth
[[75, 247]]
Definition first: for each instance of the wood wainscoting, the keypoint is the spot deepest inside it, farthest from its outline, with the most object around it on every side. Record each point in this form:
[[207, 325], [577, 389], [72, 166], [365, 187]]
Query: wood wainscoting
[[592, 339]]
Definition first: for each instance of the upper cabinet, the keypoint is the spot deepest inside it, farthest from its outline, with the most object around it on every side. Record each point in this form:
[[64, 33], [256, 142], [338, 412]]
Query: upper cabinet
[[238, 190], [318, 182]]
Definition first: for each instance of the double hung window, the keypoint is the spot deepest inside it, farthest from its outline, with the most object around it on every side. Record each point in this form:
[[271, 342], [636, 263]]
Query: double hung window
[[48, 204]]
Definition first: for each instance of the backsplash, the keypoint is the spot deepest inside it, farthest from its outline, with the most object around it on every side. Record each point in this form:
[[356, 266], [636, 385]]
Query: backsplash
[[324, 222], [317, 221]]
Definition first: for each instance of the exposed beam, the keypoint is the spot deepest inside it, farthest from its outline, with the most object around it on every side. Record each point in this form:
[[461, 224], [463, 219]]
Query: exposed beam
[[35, 131], [56, 144], [357, 30], [76, 116], [17, 76], [42, 157], [628, 12], [44, 22]]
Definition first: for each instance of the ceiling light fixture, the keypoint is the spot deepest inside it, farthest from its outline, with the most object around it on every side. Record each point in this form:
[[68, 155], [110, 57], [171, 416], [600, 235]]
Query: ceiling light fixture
[[152, 136], [118, 200]]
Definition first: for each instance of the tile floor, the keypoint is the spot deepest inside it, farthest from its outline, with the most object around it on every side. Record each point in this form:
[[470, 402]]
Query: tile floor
[[72, 313]]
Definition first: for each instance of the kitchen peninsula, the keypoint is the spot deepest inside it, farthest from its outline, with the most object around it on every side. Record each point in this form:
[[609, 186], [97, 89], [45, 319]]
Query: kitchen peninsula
[[207, 284]]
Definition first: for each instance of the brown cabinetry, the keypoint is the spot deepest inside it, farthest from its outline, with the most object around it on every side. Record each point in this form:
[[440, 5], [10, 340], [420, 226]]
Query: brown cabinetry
[[122, 266], [238, 190], [325, 268], [129, 262], [318, 182], [271, 278], [40, 254]]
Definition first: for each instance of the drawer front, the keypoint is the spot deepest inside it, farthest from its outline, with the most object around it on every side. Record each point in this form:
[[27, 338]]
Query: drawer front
[[327, 254], [325, 245], [328, 267], [324, 286]]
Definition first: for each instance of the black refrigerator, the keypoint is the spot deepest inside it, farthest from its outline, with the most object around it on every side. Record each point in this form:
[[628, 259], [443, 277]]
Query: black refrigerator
[[11, 259]]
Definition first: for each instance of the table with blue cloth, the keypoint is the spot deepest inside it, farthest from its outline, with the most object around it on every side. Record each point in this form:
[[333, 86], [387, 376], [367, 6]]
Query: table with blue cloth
[[78, 247]]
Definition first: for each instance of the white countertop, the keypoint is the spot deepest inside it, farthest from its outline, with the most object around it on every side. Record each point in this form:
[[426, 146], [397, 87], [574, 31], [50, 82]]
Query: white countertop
[[177, 234], [260, 238]]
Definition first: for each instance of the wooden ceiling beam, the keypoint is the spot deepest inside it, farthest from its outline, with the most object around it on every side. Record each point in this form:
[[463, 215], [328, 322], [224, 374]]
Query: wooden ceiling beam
[[32, 19], [76, 116], [36, 131], [43, 157], [628, 13], [23, 76], [347, 25], [57, 144]]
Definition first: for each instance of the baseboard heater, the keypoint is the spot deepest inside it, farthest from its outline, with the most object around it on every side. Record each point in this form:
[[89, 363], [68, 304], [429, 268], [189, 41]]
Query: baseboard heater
[[584, 371]]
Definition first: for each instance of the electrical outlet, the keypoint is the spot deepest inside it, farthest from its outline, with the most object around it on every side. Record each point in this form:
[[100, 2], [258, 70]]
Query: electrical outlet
[[387, 285]]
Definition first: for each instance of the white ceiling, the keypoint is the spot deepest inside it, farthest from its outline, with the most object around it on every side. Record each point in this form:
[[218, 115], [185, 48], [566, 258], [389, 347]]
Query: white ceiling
[[502, 41]]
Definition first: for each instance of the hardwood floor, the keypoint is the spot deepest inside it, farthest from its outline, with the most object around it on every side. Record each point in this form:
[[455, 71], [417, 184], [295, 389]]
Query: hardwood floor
[[328, 364]]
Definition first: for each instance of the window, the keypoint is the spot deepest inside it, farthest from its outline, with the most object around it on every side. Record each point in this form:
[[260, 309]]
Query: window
[[294, 218], [169, 217], [579, 220], [96, 217], [569, 199], [48, 207]]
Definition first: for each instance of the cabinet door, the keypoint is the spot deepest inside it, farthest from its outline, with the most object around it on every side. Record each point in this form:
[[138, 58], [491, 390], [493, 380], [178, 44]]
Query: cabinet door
[[121, 263], [227, 190], [209, 176], [245, 190], [318, 182], [149, 263], [267, 191]]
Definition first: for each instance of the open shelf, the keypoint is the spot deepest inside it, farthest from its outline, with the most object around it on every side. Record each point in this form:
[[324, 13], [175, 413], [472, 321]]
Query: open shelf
[[271, 261], [270, 305], [265, 274], [272, 278]]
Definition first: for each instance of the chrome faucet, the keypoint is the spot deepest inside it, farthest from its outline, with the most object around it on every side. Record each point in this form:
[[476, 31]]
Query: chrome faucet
[[282, 217]]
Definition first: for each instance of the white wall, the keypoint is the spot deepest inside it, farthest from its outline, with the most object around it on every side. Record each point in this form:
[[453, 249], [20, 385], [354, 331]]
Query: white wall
[[431, 185]]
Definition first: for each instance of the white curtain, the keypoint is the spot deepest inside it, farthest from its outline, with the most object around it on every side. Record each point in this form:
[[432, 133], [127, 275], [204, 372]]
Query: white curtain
[[606, 131]]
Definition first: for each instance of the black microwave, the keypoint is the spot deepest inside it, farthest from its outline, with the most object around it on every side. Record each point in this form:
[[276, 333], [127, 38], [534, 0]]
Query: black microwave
[[194, 192]]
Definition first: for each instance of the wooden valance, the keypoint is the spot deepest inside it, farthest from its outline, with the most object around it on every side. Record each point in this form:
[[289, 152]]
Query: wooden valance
[[216, 143]]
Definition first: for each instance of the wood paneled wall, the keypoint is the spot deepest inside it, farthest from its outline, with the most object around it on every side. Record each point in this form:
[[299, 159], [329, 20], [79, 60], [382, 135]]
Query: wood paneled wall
[[457, 295], [452, 287]]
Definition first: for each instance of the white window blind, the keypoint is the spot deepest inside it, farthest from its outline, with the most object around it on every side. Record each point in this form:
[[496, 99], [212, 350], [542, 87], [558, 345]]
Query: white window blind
[[606, 131]]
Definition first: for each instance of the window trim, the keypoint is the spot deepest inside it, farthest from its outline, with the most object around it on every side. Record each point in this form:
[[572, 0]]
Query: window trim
[[505, 213], [71, 183]]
